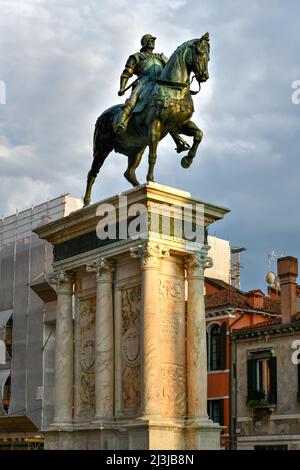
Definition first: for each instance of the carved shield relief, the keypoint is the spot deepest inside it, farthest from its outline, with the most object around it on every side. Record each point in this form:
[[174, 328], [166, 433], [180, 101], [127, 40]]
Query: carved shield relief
[[130, 347]]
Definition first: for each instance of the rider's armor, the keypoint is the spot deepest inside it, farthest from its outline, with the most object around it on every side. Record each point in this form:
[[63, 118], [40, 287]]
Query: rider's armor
[[147, 66]]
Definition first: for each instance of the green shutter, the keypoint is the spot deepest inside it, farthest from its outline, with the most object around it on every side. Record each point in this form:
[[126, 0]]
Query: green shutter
[[223, 346], [273, 380], [251, 384]]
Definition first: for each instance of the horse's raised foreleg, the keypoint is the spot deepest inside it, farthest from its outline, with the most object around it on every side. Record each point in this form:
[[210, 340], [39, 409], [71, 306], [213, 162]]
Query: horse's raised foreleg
[[191, 129], [155, 130], [134, 160]]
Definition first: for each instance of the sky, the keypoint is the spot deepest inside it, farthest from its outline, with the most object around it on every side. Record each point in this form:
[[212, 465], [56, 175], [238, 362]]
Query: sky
[[60, 64]]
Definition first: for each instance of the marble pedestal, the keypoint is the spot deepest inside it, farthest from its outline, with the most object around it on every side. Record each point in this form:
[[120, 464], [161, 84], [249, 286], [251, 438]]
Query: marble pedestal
[[133, 308]]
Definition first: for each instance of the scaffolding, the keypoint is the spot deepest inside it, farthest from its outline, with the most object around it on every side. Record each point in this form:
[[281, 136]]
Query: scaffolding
[[23, 259]]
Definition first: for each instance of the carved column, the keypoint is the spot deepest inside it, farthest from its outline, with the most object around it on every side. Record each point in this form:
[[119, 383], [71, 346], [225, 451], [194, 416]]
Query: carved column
[[104, 339], [150, 255], [196, 335], [63, 395]]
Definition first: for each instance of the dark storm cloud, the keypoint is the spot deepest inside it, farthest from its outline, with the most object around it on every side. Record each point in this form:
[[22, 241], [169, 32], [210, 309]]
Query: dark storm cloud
[[61, 62]]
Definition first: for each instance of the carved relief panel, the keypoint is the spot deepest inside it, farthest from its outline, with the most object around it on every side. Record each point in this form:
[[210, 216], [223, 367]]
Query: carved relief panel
[[86, 359], [172, 341], [130, 349]]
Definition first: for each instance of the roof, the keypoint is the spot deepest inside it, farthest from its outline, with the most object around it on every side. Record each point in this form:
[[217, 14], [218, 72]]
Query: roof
[[230, 296], [274, 321], [270, 327]]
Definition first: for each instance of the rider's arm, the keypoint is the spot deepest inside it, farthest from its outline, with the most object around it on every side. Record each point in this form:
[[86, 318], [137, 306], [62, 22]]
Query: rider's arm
[[163, 58], [127, 72]]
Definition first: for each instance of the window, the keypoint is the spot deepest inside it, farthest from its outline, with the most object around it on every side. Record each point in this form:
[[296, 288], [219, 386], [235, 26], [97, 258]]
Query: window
[[6, 394], [215, 411], [216, 347], [262, 377]]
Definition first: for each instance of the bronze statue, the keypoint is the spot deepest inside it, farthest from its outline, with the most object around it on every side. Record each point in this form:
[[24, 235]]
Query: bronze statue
[[147, 66], [160, 103]]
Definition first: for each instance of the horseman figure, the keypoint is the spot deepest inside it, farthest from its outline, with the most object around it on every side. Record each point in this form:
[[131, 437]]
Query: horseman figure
[[160, 103], [147, 66]]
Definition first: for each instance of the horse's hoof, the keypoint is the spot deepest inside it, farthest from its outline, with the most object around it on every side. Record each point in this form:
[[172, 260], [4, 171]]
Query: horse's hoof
[[186, 162], [86, 202], [131, 180]]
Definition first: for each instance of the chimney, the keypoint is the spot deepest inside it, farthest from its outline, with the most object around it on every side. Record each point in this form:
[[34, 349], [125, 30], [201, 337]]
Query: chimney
[[287, 272], [256, 298]]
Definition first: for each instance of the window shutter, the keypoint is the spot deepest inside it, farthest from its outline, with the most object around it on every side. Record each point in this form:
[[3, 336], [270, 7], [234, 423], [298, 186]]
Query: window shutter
[[251, 384], [273, 380], [207, 350], [221, 413], [223, 346]]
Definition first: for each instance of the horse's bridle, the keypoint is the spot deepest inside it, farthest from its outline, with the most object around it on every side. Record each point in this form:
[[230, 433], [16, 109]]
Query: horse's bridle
[[182, 85], [179, 85]]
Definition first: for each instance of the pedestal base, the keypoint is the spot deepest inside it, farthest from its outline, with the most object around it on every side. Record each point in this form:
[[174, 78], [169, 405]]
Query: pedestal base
[[137, 435], [139, 343]]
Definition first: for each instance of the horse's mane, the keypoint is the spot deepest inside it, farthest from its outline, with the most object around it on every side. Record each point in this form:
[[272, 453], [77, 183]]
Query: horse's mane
[[182, 46]]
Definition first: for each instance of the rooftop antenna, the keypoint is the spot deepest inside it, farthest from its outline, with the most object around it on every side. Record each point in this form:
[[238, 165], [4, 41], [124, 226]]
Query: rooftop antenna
[[271, 278], [235, 271], [273, 256]]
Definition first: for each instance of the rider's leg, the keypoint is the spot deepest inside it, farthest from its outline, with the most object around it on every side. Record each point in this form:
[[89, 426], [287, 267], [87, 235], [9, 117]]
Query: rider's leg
[[181, 144], [125, 113]]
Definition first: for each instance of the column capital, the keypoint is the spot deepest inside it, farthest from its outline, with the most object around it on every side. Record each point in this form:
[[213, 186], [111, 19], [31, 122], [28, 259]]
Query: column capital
[[150, 253], [61, 280], [100, 266], [199, 260]]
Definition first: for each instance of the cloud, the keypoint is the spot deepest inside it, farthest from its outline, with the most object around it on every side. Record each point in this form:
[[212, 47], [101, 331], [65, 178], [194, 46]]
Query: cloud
[[61, 63]]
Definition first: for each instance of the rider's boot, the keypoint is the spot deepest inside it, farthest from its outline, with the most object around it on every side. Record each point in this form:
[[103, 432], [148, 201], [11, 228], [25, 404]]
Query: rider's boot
[[122, 121], [181, 144]]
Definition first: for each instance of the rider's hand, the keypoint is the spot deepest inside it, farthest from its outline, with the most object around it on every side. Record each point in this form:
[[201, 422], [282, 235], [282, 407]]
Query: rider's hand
[[121, 92]]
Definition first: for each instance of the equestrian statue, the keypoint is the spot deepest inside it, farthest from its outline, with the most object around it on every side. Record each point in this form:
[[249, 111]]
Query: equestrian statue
[[160, 103]]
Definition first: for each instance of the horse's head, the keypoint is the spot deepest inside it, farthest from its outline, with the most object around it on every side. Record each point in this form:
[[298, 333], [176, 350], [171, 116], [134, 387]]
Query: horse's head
[[200, 58]]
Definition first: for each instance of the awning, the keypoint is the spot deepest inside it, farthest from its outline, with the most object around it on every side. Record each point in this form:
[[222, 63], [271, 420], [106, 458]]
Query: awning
[[41, 287], [4, 317], [17, 425], [4, 373]]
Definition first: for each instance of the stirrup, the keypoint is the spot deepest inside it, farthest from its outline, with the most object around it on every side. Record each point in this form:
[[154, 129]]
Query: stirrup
[[182, 147]]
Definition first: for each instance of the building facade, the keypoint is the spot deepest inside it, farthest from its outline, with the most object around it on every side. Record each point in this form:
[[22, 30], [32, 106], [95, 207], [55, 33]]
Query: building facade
[[228, 308], [266, 374]]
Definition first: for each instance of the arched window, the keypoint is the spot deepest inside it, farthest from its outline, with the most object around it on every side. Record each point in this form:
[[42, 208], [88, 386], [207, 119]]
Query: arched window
[[215, 347]]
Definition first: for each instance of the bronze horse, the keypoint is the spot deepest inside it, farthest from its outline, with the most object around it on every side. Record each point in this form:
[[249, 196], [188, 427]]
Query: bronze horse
[[168, 108]]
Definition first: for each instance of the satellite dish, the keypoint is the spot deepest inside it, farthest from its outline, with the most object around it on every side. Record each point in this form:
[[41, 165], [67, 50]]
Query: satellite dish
[[270, 278]]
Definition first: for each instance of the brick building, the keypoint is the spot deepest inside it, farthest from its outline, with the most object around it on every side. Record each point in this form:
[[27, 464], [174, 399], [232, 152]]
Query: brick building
[[228, 308], [266, 373]]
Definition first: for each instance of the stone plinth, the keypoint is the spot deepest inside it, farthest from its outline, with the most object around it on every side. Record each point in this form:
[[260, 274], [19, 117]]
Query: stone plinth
[[137, 300]]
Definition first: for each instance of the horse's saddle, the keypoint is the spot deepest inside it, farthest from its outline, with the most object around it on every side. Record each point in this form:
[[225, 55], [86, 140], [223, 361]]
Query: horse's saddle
[[143, 97]]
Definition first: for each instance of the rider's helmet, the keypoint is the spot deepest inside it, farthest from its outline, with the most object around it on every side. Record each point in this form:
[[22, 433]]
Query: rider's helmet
[[144, 41]]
